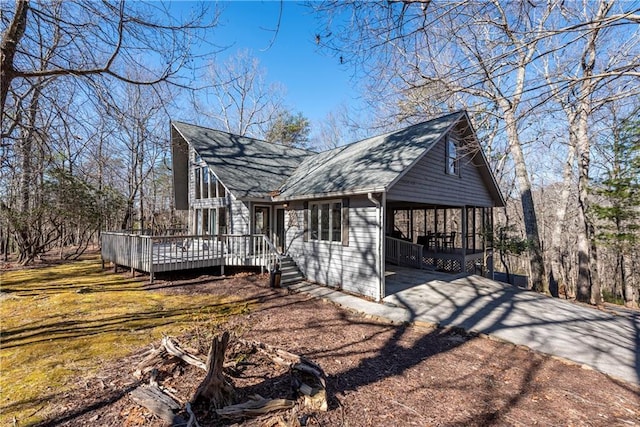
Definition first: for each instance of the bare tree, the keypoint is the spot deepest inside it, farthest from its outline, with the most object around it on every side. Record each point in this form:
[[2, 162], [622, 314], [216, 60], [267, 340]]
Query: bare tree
[[55, 58], [239, 99], [482, 50], [139, 112], [590, 70], [487, 57]]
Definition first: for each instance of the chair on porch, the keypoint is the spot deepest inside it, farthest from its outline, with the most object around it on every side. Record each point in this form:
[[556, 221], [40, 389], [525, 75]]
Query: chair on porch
[[428, 241], [449, 241]]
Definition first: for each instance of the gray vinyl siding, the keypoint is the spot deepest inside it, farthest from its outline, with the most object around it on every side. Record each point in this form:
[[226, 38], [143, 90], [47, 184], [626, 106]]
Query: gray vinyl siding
[[239, 217], [427, 182], [354, 268]]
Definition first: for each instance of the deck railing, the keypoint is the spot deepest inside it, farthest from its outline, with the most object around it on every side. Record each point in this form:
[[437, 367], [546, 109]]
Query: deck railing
[[402, 252], [153, 254]]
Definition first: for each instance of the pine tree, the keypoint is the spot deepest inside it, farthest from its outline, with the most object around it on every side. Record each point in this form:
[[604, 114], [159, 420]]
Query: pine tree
[[289, 129], [618, 207]]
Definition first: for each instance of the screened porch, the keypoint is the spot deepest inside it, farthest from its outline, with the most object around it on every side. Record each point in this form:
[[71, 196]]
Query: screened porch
[[442, 238]]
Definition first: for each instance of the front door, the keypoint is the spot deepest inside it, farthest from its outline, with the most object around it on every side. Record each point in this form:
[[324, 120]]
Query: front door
[[261, 220], [280, 230]]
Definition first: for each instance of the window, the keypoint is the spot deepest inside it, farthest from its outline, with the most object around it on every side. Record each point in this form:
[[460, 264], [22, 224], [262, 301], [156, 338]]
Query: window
[[198, 222], [220, 189], [206, 184], [336, 222], [325, 221], [452, 162], [198, 173], [315, 227], [222, 221], [205, 221]]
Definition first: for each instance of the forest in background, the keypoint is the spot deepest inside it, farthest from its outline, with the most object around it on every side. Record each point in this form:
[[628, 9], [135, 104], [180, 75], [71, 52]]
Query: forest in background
[[88, 89]]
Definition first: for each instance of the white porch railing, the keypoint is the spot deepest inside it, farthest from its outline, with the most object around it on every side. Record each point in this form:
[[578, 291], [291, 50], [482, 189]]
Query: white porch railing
[[153, 254], [402, 252]]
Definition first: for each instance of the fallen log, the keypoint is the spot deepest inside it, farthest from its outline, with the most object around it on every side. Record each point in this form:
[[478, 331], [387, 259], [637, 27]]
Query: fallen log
[[159, 403], [254, 407], [154, 357], [175, 350]]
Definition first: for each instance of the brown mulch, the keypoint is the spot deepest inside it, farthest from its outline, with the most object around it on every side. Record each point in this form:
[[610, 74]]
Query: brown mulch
[[378, 374]]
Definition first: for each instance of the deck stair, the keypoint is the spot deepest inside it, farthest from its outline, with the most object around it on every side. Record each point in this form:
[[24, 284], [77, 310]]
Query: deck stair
[[291, 274]]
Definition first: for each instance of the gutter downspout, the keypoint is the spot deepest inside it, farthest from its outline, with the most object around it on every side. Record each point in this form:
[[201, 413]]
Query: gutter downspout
[[379, 241]]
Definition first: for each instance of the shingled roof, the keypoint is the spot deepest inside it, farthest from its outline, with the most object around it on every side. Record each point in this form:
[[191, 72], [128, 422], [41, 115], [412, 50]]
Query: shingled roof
[[248, 167], [252, 168], [370, 165]]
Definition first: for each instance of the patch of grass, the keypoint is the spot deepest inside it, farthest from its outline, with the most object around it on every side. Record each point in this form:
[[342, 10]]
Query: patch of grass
[[64, 322], [612, 298]]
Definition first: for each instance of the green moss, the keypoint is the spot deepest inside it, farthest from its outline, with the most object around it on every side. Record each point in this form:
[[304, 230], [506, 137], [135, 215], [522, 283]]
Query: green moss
[[612, 298], [65, 321]]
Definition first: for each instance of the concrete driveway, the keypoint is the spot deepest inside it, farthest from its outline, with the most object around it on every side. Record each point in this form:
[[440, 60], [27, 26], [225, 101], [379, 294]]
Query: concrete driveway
[[606, 341]]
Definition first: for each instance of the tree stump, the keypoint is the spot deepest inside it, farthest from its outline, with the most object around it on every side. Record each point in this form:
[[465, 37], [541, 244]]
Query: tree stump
[[215, 388]]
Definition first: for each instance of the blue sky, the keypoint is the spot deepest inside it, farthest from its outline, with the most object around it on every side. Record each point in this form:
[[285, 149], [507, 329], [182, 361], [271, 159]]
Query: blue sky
[[316, 82]]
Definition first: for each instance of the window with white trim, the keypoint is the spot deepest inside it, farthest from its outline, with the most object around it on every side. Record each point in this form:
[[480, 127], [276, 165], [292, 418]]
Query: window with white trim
[[325, 221]]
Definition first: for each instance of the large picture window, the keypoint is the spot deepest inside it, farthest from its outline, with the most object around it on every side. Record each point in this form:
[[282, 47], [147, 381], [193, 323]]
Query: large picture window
[[205, 221], [207, 186], [325, 221]]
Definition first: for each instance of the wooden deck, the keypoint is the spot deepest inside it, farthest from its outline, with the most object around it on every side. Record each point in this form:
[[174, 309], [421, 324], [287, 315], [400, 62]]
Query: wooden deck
[[155, 254]]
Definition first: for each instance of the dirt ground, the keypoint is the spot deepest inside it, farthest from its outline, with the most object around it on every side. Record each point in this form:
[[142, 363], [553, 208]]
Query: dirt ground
[[377, 374]]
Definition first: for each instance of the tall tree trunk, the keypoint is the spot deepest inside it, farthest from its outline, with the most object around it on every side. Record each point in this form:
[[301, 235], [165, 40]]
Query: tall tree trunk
[[584, 242], [557, 276], [585, 91], [25, 226], [536, 262], [10, 39]]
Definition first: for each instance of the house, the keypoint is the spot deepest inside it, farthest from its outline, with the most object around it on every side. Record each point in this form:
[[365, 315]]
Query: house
[[420, 196]]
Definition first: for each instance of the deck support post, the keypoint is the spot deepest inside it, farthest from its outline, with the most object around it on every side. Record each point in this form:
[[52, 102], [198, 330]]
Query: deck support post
[[222, 270]]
